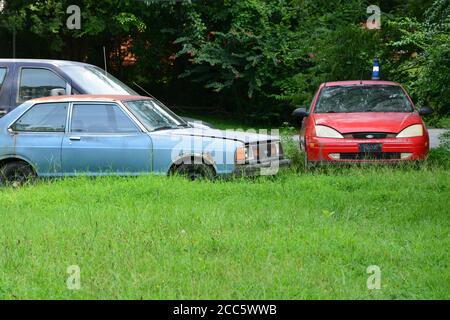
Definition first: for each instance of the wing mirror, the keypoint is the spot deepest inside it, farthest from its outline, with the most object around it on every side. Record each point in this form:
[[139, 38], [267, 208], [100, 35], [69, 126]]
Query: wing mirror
[[299, 114], [57, 92], [425, 111]]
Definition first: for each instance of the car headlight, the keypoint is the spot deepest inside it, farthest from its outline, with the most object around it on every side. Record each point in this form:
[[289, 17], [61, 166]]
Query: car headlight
[[275, 149], [258, 151], [412, 131], [241, 154], [327, 132]]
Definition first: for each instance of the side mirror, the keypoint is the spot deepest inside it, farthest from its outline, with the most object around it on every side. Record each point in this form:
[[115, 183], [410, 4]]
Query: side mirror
[[299, 114], [425, 111], [57, 92]]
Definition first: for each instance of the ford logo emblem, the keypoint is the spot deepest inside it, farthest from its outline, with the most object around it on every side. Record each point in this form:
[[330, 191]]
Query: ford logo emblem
[[370, 136]]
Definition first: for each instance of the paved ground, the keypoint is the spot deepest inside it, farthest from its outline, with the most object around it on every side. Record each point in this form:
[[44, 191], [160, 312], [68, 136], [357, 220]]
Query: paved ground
[[434, 136]]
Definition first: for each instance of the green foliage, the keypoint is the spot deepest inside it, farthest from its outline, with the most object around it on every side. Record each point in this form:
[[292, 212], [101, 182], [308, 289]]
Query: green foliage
[[292, 151], [443, 123], [247, 54], [427, 73], [257, 59], [283, 50], [440, 157]]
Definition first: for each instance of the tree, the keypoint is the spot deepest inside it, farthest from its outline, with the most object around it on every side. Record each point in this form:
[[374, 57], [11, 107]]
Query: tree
[[426, 67]]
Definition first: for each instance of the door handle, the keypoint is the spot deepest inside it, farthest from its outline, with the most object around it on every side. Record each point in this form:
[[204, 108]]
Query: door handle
[[75, 138]]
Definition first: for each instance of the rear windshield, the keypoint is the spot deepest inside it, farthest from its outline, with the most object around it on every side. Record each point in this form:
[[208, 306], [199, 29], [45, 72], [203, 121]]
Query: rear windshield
[[94, 80], [363, 98]]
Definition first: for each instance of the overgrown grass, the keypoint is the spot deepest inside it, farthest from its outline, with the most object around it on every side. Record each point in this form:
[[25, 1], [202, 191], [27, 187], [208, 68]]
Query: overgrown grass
[[294, 236]]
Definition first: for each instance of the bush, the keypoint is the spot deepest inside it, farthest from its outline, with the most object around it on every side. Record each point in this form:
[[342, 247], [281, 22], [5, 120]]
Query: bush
[[443, 123], [441, 156], [292, 151]]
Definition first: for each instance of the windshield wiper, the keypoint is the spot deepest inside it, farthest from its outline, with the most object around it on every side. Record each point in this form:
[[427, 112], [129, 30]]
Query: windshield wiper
[[164, 128]]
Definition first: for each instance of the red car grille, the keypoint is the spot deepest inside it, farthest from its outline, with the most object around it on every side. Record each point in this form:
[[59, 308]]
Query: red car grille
[[369, 135], [371, 156]]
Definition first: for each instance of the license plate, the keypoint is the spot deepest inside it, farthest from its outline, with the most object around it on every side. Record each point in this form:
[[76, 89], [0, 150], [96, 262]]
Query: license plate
[[370, 147]]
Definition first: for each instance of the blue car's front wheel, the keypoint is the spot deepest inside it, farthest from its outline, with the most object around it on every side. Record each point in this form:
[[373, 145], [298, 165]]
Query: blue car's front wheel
[[194, 171]]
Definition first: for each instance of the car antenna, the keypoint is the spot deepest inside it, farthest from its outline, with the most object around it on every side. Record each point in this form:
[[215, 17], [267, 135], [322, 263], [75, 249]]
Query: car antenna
[[150, 95], [104, 60]]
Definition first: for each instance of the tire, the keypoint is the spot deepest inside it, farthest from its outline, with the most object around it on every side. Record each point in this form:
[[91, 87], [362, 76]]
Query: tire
[[195, 171], [310, 165], [307, 163], [16, 173]]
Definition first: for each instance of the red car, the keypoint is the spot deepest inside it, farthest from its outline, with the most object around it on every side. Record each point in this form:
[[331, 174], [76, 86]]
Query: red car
[[363, 121]]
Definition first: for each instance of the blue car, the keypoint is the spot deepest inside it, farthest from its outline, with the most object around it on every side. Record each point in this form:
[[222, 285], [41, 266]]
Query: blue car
[[98, 135]]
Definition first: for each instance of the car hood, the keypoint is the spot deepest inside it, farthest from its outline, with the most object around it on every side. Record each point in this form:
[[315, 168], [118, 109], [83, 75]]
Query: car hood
[[245, 137], [392, 122]]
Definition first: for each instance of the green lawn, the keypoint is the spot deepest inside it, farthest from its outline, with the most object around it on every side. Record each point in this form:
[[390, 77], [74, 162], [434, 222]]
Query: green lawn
[[296, 236]]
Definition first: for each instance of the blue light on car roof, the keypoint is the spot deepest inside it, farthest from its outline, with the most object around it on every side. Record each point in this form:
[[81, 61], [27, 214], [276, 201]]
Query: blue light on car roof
[[376, 69]]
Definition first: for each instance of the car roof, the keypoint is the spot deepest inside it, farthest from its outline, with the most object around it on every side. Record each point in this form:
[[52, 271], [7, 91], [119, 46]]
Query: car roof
[[44, 61], [90, 97], [359, 82]]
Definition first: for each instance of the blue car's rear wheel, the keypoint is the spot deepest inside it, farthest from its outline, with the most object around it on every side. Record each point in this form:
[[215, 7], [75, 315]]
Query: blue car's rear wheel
[[16, 173]]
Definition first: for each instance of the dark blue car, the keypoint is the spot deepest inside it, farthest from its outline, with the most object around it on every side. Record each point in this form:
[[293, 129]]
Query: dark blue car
[[25, 79]]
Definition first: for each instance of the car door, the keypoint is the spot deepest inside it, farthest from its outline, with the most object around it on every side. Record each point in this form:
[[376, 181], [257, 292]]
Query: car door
[[37, 136], [103, 140]]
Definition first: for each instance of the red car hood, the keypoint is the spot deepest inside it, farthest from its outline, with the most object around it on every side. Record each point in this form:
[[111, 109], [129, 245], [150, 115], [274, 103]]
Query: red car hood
[[393, 122]]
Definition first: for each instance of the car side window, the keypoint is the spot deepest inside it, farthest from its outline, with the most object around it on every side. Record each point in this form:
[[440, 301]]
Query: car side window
[[36, 83], [101, 118], [45, 117], [2, 76]]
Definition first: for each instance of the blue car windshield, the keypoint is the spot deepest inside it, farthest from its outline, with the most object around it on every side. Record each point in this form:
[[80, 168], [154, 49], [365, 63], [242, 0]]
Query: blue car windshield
[[154, 115], [363, 98], [94, 80]]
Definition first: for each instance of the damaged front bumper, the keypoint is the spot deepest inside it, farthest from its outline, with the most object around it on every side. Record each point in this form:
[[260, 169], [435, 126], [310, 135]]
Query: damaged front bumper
[[266, 168]]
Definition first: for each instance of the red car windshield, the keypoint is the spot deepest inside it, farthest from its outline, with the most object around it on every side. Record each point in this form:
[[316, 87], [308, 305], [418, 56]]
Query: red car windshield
[[363, 98]]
